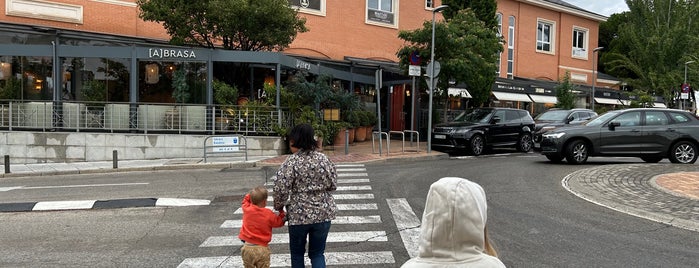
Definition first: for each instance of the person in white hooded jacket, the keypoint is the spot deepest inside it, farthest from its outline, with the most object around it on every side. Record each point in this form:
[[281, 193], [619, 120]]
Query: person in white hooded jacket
[[453, 232]]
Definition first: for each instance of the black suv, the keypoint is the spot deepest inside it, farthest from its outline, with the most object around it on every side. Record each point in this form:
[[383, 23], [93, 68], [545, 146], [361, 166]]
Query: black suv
[[555, 118], [485, 127]]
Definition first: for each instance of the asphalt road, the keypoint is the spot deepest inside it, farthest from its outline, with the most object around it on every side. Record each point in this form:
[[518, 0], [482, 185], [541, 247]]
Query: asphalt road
[[533, 221]]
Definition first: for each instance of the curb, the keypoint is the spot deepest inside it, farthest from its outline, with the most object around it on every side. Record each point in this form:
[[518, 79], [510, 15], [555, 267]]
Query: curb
[[130, 169], [101, 204]]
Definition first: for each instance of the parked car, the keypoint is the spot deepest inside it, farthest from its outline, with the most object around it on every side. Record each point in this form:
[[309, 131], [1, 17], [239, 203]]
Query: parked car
[[649, 133], [555, 118], [485, 128]]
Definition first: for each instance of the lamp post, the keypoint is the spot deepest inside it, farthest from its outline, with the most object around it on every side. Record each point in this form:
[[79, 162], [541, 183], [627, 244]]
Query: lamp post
[[431, 85], [685, 82], [594, 76]]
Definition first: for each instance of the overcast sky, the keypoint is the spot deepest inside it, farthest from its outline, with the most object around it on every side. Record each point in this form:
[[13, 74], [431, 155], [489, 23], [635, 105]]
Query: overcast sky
[[602, 7]]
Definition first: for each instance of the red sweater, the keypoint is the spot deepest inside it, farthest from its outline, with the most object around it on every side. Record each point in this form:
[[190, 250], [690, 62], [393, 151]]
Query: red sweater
[[258, 223]]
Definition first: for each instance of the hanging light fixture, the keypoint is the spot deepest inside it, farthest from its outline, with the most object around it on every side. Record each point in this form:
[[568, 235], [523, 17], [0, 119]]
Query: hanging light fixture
[[152, 73], [5, 70], [269, 81]]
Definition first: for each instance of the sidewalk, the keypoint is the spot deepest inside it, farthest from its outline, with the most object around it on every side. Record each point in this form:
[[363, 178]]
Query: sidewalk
[[358, 152]]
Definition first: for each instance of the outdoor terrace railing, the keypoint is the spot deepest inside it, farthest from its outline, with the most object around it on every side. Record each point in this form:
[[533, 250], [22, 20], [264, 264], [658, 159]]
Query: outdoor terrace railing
[[141, 117]]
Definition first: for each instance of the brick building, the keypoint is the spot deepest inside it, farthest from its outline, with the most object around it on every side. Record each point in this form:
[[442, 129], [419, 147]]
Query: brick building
[[544, 39]]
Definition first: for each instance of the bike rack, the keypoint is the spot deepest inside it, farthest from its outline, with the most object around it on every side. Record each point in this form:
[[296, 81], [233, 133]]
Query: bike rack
[[411, 139], [388, 141]]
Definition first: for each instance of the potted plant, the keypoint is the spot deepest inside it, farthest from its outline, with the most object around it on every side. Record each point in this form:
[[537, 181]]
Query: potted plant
[[357, 119], [370, 122], [180, 92], [226, 96]]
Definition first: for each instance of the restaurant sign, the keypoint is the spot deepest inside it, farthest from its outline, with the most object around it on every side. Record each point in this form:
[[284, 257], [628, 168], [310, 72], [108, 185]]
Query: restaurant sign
[[171, 53]]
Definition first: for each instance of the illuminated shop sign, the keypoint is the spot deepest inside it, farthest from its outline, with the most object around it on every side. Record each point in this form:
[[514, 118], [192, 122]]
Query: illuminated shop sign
[[171, 53]]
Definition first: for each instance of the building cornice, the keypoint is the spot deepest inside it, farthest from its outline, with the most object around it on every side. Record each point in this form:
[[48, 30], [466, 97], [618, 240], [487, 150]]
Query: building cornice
[[564, 9]]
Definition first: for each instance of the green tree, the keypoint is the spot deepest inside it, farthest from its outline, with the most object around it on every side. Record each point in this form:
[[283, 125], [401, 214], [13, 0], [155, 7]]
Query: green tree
[[651, 47], [260, 25], [564, 93], [466, 48]]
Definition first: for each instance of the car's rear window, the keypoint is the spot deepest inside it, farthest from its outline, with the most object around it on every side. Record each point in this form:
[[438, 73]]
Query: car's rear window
[[679, 117]]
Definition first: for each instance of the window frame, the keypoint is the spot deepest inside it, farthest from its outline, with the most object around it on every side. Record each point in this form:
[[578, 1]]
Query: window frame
[[586, 43], [393, 14], [499, 63], [551, 36], [312, 11], [429, 4], [511, 46]]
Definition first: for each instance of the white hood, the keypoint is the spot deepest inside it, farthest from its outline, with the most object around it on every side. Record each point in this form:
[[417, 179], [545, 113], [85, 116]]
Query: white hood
[[452, 231]]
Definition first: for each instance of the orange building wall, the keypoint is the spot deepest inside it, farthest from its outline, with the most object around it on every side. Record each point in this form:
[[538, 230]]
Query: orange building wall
[[343, 31], [99, 17], [539, 65]]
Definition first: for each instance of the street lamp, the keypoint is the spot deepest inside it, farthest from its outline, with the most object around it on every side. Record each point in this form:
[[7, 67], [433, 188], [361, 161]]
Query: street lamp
[[431, 85], [594, 76], [685, 82]]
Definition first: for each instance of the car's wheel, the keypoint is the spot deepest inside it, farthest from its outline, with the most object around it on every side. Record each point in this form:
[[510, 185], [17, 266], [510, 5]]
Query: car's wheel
[[577, 152], [683, 152], [525, 143], [476, 145], [556, 158], [651, 159]]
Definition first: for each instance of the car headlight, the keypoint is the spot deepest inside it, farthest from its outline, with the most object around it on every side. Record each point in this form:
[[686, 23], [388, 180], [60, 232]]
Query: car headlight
[[547, 128], [462, 130], [556, 135]]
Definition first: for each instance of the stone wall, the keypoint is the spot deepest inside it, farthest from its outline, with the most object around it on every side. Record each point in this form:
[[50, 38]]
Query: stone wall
[[57, 147]]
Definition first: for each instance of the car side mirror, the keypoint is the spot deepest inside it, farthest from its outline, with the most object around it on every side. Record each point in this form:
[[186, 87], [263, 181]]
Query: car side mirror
[[495, 119], [613, 125]]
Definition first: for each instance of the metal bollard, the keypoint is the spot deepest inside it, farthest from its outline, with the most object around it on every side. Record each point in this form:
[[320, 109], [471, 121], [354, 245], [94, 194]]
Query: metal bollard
[[115, 159], [346, 141], [7, 164]]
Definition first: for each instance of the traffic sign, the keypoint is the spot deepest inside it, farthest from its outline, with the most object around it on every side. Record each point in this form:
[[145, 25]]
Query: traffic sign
[[414, 70], [437, 67], [415, 58]]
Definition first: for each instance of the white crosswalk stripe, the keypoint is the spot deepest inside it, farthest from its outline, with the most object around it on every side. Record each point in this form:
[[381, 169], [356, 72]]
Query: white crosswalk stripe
[[357, 210]]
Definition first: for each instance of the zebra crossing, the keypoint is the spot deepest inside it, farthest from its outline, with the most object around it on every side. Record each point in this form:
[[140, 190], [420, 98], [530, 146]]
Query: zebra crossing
[[358, 221]]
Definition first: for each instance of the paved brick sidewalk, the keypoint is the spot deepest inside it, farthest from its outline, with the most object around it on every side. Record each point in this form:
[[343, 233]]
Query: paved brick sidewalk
[[684, 183], [664, 193]]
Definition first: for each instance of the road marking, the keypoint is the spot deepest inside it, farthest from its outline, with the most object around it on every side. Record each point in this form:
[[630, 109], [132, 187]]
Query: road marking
[[407, 223], [352, 175], [64, 205], [284, 260], [369, 206], [350, 169], [5, 189], [283, 238], [348, 165], [340, 197], [234, 224], [343, 181], [179, 202]]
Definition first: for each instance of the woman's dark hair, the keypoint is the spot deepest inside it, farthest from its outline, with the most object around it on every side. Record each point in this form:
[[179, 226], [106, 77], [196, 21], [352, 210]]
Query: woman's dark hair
[[302, 136]]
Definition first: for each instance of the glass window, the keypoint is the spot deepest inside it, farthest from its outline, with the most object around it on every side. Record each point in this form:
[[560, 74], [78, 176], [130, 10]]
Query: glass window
[[579, 43], [513, 117], [511, 47], [309, 6], [381, 11], [157, 80], [497, 70], [629, 119], [679, 117], [95, 79], [656, 119], [429, 3], [26, 78], [544, 36]]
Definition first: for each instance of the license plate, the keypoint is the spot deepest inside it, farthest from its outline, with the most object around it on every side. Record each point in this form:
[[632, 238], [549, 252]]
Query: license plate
[[437, 136]]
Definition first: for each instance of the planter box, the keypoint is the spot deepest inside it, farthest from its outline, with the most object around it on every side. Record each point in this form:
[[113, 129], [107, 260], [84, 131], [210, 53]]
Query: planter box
[[116, 116]]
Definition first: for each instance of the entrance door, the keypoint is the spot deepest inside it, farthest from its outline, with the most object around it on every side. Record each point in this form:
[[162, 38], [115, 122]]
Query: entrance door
[[397, 103]]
